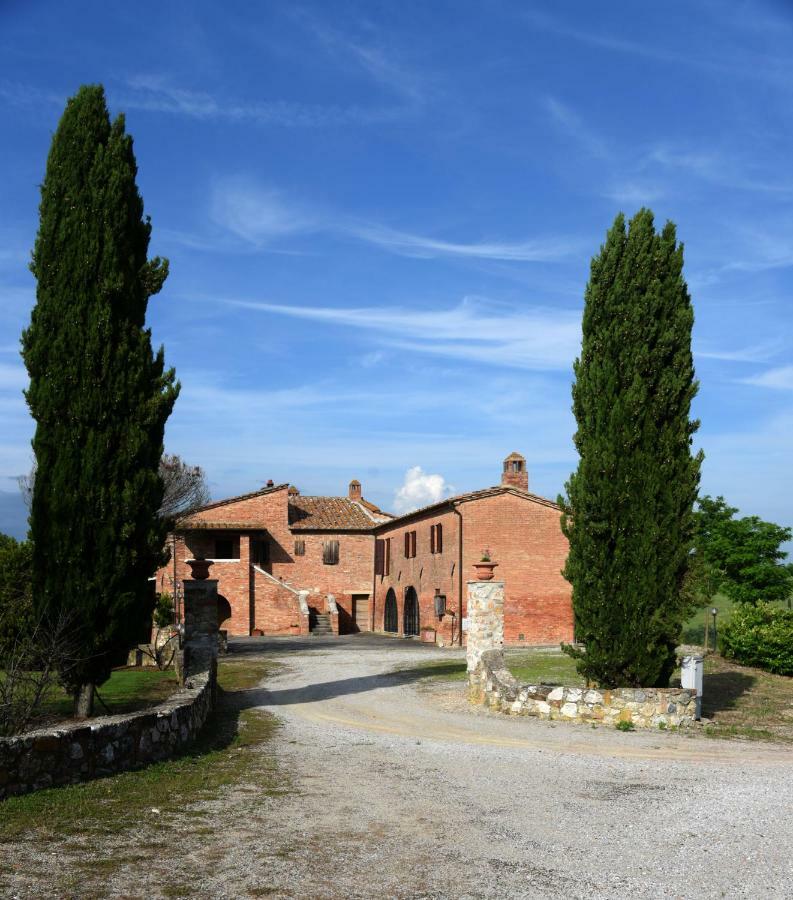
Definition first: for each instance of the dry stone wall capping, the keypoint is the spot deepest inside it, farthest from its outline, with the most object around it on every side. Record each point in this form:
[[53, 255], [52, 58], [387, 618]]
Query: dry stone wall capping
[[493, 685], [109, 744]]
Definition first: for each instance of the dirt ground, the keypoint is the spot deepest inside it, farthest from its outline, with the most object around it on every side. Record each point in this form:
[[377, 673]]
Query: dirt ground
[[400, 789]]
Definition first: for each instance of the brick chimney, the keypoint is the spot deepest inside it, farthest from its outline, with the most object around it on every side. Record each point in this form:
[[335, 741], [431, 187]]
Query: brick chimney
[[355, 489], [515, 473]]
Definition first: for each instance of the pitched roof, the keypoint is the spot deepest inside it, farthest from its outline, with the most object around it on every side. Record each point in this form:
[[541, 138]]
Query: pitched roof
[[259, 493], [305, 514], [481, 494], [333, 514]]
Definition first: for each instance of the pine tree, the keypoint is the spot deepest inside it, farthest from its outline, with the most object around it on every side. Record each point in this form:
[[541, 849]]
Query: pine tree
[[628, 510], [99, 396]]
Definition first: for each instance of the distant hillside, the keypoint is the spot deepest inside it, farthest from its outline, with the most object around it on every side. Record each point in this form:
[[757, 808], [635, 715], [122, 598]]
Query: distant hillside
[[13, 515]]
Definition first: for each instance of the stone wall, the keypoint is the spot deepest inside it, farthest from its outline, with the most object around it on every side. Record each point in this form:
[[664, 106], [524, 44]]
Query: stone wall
[[106, 745], [492, 684]]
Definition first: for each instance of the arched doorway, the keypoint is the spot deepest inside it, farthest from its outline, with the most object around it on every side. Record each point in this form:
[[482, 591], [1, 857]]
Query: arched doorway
[[224, 610], [390, 619], [411, 615]]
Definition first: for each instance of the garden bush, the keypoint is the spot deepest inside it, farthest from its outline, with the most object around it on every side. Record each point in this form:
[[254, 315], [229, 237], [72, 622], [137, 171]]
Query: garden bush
[[760, 635]]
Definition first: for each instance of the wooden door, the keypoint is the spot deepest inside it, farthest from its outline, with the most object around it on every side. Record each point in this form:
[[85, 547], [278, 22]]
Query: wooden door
[[360, 611]]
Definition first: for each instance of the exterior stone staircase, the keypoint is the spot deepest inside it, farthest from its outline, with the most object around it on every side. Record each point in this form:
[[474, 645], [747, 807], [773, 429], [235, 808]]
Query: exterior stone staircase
[[319, 623]]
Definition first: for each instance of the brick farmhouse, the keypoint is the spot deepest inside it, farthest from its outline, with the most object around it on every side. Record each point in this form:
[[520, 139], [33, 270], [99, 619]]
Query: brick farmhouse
[[290, 564]]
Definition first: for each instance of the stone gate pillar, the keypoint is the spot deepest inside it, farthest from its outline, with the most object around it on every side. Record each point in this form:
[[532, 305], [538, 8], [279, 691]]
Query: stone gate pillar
[[485, 619], [200, 640]]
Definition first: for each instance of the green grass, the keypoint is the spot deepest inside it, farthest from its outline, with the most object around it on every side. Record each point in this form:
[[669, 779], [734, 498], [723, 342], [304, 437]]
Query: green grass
[[528, 666], [740, 702], [543, 667], [228, 751], [744, 702], [694, 629], [127, 690]]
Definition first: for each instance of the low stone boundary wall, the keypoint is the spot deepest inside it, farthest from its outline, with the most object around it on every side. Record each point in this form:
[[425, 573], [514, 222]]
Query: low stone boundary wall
[[492, 684], [105, 745]]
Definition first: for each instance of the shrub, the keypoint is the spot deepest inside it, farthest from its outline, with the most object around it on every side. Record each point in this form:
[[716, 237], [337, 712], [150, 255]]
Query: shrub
[[760, 635], [163, 611], [16, 604]]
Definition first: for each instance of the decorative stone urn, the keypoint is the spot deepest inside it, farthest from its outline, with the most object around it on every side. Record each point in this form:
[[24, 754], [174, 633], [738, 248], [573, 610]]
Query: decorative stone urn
[[484, 570], [199, 568]]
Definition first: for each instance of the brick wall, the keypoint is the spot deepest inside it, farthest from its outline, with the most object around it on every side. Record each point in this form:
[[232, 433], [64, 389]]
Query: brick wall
[[425, 572], [351, 575], [248, 593], [525, 539]]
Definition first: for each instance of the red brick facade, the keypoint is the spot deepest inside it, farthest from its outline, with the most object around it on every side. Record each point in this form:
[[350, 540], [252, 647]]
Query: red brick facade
[[261, 586], [280, 543], [522, 534]]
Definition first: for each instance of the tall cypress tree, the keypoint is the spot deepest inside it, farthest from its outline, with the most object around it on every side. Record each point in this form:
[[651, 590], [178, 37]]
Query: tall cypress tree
[[628, 511], [99, 396]]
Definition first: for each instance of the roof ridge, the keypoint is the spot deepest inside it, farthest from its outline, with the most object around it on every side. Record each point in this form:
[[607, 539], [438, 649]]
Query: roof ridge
[[475, 495], [216, 503]]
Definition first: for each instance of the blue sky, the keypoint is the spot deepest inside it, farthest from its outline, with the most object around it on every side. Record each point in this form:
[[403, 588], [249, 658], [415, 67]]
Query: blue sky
[[380, 218]]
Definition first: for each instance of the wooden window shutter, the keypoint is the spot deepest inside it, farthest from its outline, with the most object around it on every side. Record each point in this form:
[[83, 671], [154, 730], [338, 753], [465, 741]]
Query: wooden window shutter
[[379, 557], [412, 543], [387, 567], [300, 547], [407, 545], [432, 538], [439, 538], [330, 553]]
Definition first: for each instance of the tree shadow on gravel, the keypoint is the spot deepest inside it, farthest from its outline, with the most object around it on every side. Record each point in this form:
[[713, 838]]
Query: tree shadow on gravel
[[328, 690]]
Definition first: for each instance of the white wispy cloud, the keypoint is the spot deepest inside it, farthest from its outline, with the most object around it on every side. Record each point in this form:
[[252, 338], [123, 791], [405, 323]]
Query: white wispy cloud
[[534, 338], [780, 378], [258, 215], [755, 353], [574, 126], [155, 93], [633, 192], [419, 489], [718, 168], [421, 246], [379, 62]]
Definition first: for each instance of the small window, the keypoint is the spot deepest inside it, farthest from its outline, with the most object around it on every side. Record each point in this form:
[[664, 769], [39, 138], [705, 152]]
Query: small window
[[387, 564], [437, 543], [330, 553], [224, 548], [300, 547], [516, 465]]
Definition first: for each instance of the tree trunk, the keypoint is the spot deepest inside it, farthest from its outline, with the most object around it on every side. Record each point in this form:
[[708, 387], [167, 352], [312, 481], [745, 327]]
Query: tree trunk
[[84, 702]]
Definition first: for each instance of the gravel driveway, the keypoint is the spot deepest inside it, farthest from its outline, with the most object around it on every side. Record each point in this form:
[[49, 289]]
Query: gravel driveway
[[406, 791], [399, 788]]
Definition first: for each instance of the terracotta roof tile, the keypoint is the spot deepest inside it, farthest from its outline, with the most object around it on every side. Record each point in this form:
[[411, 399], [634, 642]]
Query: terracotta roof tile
[[331, 514]]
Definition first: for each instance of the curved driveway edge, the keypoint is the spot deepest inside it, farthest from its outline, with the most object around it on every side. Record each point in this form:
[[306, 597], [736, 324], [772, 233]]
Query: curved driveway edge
[[404, 791]]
